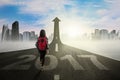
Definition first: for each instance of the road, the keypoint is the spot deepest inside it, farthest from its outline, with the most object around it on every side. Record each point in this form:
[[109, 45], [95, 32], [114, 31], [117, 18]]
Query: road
[[62, 63]]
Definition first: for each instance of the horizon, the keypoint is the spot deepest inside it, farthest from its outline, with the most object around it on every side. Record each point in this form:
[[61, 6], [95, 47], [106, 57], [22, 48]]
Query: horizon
[[69, 30], [79, 15]]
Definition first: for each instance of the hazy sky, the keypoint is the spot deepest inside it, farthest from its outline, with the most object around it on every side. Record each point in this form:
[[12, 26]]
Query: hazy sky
[[77, 15]]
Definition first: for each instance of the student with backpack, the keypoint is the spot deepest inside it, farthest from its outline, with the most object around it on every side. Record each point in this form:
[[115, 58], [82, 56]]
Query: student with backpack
[[42, 46]]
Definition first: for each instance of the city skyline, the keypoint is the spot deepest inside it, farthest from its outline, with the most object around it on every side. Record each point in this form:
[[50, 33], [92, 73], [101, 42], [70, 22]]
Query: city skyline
[[84, 15], [13, 34]]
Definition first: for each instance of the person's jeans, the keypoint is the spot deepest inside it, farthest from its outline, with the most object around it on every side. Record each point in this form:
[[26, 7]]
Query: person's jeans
[[42, 56]]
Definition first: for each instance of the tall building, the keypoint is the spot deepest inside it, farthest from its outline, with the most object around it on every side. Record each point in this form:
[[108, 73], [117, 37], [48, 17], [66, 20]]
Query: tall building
[[8, 35], [4, 32], [26, 36], [32, 35], [104, 34], [36, 37], [118, 35], [92, 36], [97, 34], [0, 37], [15, 31], [113, 35], [20, 37]]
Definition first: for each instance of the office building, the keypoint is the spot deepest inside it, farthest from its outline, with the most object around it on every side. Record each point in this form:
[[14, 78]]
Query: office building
[[15, 31]]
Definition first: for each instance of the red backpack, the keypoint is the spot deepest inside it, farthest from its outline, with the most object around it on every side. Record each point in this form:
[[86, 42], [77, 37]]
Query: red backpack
[[42, 43]]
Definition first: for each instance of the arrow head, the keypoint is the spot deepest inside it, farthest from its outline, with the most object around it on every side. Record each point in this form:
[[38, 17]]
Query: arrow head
[[56, 19]]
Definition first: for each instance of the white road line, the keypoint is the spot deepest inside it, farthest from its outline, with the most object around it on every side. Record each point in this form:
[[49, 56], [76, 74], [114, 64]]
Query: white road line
[[95, 61], [73, 62], [20, 65], [56, 47], [56, 77]]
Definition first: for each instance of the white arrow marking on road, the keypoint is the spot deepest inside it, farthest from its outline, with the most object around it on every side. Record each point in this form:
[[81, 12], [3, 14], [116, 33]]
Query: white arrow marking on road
[[95, 61], [56, 47], [56, 77]]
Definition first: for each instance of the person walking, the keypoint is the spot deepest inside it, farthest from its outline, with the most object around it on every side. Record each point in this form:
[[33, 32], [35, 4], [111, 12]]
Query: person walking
[[42, 46]]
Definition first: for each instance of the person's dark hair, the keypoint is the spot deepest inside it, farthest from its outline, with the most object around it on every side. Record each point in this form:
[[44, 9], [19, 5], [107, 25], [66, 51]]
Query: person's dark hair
[[42, 33]]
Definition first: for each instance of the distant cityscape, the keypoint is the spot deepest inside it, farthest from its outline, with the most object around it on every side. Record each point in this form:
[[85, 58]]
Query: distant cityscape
[[14, 34], [104, 34]]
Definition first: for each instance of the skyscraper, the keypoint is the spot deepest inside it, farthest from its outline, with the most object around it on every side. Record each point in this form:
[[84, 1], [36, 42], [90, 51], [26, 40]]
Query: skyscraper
[[97, 34], [15, 31], [32, 35], [26, 36], [36, 37], [113, 34], [104, 34], [118, 34], [0, 37], [20, 37], [8, 35], [4, 32]]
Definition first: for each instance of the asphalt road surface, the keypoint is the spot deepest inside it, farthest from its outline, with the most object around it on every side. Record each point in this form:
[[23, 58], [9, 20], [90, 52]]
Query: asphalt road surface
[[62, 63]]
